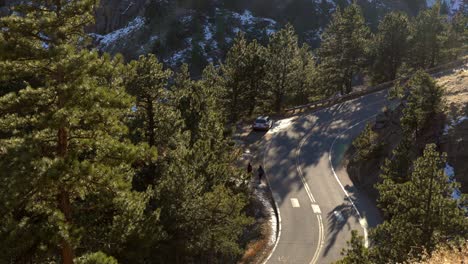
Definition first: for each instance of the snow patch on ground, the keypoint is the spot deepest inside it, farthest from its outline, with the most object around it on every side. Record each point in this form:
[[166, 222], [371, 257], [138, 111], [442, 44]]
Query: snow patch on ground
[[261, 192], [247, 20], [454, 123], [453, 5], [281, 125], [106, 40], [450, 172]]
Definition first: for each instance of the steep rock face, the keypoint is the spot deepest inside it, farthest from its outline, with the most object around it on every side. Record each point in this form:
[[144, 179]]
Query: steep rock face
[[115, 14]]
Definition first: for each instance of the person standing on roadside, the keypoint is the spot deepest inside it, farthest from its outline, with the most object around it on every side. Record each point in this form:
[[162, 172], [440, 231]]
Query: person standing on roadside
[[261, 172], [249, 168]]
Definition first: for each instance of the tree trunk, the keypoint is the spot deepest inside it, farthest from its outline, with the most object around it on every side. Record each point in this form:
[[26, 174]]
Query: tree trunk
[[64, 197], [348, 82], [151, 123], [67, 250], [278, 102], [428, 226]]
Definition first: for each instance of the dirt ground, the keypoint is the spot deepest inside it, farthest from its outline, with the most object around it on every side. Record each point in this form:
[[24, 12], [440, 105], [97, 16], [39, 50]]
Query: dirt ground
[[456, 91], [455, 139]]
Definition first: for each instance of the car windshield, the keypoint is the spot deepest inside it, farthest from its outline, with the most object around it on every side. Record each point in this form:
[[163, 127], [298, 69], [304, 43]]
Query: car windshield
[[260, 121]]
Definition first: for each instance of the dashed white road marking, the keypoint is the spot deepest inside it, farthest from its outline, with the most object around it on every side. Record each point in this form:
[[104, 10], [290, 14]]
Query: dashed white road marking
[[295, 203], [321, 235], [316, 208]]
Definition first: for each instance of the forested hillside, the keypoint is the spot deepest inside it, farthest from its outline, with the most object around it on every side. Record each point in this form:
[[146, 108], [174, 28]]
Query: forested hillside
[[200, 32], [114, 159]]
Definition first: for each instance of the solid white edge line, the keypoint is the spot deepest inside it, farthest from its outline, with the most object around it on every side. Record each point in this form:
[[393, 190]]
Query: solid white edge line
[[278, 215], [362, 221]]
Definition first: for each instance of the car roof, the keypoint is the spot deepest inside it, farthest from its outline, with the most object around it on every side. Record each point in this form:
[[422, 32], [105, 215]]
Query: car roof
[[263, 117]]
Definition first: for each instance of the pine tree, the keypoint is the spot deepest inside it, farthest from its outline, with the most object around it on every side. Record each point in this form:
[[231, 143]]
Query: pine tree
[[283, 66], [422, 103], [454, 38], [426, 41], [200, 194], [343, 50], [390, 46], [65, 162], [147, 81], [423, 212], [244, 77], [356, 253], [367, 145], [306, 89], [395, 170]]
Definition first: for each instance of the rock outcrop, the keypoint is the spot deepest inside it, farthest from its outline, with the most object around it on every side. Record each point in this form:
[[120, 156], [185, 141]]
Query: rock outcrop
[[115, 14]]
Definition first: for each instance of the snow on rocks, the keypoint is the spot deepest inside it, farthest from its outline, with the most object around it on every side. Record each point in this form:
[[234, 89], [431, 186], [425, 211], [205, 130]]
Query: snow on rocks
[[450, 173], [247, 21], [454, 123], [105, 41], [453, 5]]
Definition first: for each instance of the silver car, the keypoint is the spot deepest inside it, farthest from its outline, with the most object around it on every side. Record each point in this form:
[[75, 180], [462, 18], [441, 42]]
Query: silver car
[[262, 123]]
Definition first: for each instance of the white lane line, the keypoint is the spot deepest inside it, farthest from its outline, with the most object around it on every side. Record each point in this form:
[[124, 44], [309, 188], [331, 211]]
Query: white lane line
[[295, 203], [312, 199], [316, 208], [320, 241], [299, 170], [362, 221]]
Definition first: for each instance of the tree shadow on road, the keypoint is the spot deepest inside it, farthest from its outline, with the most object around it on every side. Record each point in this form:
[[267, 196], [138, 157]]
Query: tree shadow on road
[[339, 219]]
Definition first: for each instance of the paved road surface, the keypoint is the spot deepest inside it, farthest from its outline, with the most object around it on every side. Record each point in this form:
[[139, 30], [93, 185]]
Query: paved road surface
[[316, 215]]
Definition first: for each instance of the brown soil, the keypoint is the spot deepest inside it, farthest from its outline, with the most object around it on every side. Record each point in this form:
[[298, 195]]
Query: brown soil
[[455, 143]]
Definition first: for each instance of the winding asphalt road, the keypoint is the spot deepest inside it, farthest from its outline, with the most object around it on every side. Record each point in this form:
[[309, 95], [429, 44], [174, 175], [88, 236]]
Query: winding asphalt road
[[317, 202]]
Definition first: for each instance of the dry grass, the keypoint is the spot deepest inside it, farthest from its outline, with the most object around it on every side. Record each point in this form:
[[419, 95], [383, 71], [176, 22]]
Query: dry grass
[[456, 90], [447, 255], [258, 249], [255, 252]]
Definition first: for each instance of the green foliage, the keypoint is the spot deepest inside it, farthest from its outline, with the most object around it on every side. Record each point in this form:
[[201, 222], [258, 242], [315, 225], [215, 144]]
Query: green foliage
[[343, 50], [283, 66], [96, 258], [426, 42], [79, 177], [356, 253], [65, 161], [199, 193], [423, 212], [147, 81], [390, 46], [243, 77], [454, 38], [367, 145], [306, 89], [422, 103], [266, 79], [398, 167]]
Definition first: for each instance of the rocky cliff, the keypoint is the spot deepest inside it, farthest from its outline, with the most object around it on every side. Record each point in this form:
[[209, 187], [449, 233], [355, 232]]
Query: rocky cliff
[[201, 31]]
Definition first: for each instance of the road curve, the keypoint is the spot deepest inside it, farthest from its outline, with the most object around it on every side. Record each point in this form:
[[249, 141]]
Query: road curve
[[318, 204]]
